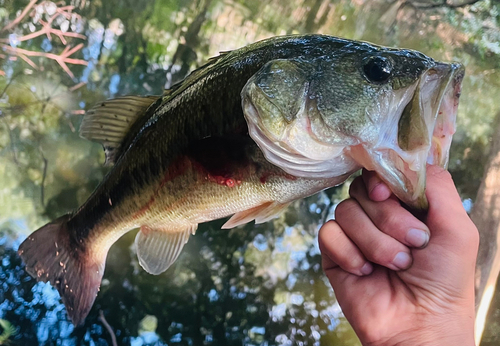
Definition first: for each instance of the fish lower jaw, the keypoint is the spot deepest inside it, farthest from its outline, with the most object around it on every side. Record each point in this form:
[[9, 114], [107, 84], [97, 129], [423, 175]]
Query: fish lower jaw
[[298, 164], [404, 174]]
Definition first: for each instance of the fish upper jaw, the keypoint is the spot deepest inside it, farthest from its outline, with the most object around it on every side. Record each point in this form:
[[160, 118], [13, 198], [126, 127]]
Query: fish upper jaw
[[445, 125], [424, 133]]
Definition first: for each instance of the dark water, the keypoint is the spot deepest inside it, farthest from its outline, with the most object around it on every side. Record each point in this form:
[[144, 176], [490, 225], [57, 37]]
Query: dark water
[[255, 285]]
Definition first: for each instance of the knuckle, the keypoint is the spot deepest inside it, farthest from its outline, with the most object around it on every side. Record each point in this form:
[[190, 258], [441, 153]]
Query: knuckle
[[379, 254], [328, 231], [352, 264], [388, 220], [346, 208], [371, 331], [329, 236]]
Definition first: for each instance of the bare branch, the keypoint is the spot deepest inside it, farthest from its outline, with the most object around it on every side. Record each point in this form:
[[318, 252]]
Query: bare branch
[[29, 61], [20, 17], [44, 175], [77, 86], [108, 328], [12, 146], [48, 29], [62, 59]]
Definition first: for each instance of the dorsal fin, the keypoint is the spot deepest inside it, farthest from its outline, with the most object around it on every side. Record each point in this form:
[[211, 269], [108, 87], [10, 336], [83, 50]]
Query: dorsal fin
[[108, 122], [197, 73]]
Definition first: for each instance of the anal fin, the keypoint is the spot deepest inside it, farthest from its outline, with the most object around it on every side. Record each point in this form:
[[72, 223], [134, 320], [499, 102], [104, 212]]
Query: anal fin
[[158, 249], [261, 213]]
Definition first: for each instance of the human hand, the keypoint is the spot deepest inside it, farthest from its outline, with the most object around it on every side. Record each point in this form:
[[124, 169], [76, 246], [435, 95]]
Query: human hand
[[397, 286]]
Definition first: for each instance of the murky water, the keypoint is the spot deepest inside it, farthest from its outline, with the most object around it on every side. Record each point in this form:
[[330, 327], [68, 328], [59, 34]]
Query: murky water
[[254, 285]]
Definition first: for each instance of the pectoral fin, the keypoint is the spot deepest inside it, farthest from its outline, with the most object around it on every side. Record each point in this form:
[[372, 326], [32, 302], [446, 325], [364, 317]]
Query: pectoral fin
[[158, 249], [260, 214]]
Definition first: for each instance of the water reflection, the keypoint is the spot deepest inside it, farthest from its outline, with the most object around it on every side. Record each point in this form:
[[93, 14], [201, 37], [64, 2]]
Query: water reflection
[[255, 285]]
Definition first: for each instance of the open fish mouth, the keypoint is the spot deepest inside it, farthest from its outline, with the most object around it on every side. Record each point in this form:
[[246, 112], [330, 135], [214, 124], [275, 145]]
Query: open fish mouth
[[404, 131], [424, 134]]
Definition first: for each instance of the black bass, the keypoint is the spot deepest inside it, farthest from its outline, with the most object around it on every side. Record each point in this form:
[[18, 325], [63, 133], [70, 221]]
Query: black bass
[[245, 135]]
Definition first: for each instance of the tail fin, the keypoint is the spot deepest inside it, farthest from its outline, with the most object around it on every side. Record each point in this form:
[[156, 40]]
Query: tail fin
[[51, 256]]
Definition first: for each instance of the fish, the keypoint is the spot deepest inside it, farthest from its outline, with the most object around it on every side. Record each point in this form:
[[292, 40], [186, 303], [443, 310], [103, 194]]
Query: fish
[[243, 136]]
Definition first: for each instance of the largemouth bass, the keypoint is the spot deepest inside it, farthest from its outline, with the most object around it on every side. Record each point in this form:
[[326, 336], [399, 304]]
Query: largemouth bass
[[245, 135]]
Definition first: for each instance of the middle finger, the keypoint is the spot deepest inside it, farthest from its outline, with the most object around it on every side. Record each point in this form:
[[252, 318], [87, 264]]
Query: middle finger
[[375, 245], [391, 218]]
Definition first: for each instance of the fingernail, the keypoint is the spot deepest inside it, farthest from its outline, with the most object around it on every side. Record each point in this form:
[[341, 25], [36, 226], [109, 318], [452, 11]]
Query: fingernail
[[417, 237], [402, 260], [367, 268]]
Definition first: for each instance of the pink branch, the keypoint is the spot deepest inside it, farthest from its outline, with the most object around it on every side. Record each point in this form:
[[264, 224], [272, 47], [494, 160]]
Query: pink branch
[[61, 59], [29, 61], [20, 17], [47, 26], [77, 86], [48, 30]]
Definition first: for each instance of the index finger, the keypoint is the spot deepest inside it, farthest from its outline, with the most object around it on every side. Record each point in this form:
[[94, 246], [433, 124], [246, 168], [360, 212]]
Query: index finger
[[377, 190]]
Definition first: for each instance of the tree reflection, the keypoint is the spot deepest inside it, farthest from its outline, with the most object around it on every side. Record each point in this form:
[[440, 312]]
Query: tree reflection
[[254, 285]]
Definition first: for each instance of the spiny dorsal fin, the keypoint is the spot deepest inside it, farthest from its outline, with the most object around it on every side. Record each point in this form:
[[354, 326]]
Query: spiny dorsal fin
[[261, 213], [108, 122], [158, 249], [194, 75]]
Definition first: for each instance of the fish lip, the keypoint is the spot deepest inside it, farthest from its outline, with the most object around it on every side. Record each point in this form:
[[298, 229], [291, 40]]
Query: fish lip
[[445, 124], [439, 103], [435, 102]]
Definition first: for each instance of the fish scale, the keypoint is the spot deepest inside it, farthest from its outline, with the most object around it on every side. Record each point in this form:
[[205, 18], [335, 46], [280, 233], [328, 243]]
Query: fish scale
[[245, 135]]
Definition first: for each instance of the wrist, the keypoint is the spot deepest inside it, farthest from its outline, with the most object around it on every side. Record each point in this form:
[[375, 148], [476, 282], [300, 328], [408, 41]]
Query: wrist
[[448, 333]]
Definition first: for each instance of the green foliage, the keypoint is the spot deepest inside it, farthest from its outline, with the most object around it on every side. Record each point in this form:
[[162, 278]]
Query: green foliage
[[8, 330], [225, 282]]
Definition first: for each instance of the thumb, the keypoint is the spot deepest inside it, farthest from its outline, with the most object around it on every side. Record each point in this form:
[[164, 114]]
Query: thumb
[[447, 219]]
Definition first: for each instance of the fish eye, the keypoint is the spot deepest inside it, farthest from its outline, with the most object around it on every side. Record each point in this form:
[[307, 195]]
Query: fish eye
[[377, 69]]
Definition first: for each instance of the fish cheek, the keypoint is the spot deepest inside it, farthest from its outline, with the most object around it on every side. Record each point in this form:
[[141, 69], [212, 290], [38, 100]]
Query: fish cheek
[[340, 102], [260, 110], [322, 131], [276, 92]]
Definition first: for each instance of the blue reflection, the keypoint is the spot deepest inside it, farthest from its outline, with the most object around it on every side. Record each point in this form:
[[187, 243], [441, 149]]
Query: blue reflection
[[14, 40], [260, 242], [467, 204], [46, 45], [113, 84], [93, 49], [86, 72], [213, 295]]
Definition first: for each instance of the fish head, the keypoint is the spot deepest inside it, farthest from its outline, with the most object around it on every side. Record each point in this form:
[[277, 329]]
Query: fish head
[[388, 110]]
